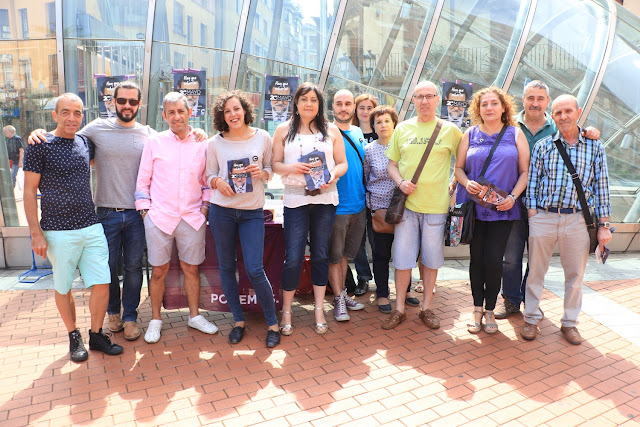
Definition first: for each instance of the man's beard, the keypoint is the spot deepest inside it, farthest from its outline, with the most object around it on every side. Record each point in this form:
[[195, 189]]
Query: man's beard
[[126, 119], [343, 121]]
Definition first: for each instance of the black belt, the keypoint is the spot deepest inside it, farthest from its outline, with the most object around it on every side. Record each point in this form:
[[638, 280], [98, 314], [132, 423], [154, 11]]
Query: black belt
[[562, 210], [116, 209]]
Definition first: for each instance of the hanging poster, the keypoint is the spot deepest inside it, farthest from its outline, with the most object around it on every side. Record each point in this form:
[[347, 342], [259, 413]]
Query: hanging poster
[[192, 84], [455, 102], [106, 102], [279, 93]]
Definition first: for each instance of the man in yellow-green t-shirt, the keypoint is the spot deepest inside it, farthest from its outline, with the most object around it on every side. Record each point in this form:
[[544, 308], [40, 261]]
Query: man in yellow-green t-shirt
[[422, 228]]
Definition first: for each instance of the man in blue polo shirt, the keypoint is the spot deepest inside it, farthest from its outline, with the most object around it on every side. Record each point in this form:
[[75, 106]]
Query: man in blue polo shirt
[[348, 227], [69, 232]]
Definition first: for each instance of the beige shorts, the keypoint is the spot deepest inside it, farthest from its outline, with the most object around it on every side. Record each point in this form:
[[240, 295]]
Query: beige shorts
[[190, 243]]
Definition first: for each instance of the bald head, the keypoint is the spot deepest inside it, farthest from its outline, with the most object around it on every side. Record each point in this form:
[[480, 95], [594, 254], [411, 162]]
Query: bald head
[[426, 84], [426, 101], [344, 107], [565, 98], [565, 113]]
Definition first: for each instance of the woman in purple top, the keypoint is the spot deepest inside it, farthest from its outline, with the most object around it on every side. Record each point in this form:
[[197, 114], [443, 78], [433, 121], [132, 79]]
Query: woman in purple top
[[490, 110]]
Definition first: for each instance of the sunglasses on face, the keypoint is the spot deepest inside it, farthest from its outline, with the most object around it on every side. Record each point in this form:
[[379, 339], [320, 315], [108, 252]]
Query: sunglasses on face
[[132, 102]]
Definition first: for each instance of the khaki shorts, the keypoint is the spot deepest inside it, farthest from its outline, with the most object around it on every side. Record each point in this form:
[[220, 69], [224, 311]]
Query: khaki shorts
[[346, 236], [190, 243]]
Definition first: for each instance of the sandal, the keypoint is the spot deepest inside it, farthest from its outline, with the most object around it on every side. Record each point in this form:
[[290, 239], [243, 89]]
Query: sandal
[[286, 329], [475, 327], [321, 328], [419, 287], [490, 325]]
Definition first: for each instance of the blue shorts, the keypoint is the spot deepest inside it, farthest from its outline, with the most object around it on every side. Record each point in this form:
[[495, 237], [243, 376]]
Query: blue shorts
[[85, 249], [419, 233]]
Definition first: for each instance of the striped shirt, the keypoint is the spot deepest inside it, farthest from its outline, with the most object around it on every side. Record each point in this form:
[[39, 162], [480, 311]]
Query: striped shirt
[[550, 183]]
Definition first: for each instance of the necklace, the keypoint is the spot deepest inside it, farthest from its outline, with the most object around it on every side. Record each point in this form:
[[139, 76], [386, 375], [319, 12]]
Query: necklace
[[315, 142]]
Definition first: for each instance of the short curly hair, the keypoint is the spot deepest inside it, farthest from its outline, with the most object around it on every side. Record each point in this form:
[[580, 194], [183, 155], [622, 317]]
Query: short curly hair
[[218, 109], [381, 110], [505, 99]]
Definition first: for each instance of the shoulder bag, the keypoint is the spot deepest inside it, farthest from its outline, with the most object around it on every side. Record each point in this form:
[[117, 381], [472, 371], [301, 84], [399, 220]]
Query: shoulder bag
[[589, 219], [398, 199], [458, 228]]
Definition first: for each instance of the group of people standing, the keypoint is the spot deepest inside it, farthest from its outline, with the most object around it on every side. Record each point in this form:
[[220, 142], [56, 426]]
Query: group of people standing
[[162, 187]]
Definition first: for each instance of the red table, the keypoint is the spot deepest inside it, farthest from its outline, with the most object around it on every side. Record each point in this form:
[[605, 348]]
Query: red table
[[211, 294]]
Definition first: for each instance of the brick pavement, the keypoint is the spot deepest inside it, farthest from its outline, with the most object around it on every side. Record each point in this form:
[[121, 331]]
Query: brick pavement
[[356, 374]]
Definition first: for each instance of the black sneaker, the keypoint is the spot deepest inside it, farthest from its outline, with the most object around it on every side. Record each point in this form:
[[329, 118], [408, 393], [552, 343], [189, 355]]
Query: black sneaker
[[76, 347], [361, 288], [100, 341], [273, 338]]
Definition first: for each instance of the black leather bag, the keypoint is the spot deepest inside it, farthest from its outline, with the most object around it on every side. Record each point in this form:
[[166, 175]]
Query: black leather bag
[[458, 229], [398, 198]]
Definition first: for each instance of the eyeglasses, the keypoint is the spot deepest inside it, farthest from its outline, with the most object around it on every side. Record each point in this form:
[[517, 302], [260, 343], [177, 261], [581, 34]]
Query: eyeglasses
[[421, 98], [132, 102]]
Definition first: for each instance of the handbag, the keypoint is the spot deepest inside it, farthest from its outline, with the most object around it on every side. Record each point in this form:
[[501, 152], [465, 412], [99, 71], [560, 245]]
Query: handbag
[[398, 198], [461, 218], [379, 224], [589, 219]]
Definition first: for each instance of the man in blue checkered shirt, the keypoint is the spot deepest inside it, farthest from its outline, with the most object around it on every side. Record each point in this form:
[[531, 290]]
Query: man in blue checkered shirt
[[555, 215]]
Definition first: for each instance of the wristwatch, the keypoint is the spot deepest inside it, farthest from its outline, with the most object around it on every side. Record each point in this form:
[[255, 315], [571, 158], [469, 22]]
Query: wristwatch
[[512, 197], [604, 224]]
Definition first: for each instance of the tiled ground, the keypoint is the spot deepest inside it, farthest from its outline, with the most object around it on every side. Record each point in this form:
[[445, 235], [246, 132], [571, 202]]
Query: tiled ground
[[356, 374]]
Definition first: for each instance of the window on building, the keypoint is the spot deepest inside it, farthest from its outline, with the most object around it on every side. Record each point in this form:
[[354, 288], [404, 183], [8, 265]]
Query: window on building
[[203, 35], [51, 18], [24, 23], [238, 6], [178, 60], [178, 18], [5, 31], [189, 29]]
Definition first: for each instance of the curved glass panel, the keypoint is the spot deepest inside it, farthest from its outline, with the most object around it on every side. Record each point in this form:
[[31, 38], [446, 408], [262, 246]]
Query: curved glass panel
[[334, 84], [108, 19], [86, 60], [28, 85], [168, 57], [475, 42], [208, 23], [290, 31], [566, 60], [616, 113], [379, 44]]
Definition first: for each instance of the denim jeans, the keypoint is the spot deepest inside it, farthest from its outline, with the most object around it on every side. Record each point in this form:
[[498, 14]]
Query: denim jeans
[[299, 223], [14, 173], [125, 235], [513, 283], [225, 224]]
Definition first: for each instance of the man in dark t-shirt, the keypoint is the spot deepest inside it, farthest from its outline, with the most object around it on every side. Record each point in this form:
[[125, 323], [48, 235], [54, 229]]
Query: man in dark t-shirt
[[15, 150], [69, 232]]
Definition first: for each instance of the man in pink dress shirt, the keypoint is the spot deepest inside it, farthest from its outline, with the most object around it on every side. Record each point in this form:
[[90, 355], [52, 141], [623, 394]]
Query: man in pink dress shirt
[[172, 198]]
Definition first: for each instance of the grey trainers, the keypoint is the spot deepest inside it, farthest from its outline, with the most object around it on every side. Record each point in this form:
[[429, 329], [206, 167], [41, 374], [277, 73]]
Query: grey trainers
[[350, 302], [504, 310], [340, 309]]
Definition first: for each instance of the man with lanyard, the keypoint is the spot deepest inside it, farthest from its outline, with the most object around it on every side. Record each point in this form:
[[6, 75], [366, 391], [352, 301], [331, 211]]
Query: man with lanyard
[[349, 224], [536, 124], [555, 216], [422, 228]]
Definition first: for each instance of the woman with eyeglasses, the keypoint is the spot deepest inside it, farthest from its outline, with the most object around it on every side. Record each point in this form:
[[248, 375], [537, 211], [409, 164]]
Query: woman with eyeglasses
[[309, 154]]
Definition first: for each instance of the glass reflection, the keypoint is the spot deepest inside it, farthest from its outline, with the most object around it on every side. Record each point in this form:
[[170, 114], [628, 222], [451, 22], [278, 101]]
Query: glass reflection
[[109, 19], [212, 24], [291, 31], [27, 19], [168, 57], [378, 43], [86, 60], [565, 60], [334, 84], [616, 112]]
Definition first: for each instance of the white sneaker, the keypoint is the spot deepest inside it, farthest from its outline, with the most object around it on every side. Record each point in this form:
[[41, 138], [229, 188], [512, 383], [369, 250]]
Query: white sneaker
[[153, 331], [202, 324]]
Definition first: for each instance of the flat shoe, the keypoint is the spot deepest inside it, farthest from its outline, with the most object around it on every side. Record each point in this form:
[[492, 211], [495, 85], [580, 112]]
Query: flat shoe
[[236, 334], [394, 320], [413, 302], [273, 338], [385, 308], [489, 327]]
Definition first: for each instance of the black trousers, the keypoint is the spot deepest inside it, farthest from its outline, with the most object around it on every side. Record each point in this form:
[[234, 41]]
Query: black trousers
[[485, 270]]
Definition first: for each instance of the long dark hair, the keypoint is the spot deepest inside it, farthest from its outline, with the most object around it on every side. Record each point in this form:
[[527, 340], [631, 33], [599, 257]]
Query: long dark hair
[[320, 121]]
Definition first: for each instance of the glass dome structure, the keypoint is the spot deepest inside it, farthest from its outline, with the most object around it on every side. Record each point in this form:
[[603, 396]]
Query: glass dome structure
[[589, 48]]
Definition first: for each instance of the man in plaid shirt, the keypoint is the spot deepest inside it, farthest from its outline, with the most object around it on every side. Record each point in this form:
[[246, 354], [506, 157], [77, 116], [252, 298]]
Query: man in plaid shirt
[[555, 215]]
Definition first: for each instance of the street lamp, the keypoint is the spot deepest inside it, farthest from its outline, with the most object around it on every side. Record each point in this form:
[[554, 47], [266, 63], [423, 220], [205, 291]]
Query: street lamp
[[343, 64]]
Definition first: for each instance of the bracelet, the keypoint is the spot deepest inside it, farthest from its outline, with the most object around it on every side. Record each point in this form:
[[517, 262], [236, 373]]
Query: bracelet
[[400, 183], [206, 204], [215, 186], [512, 197]]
